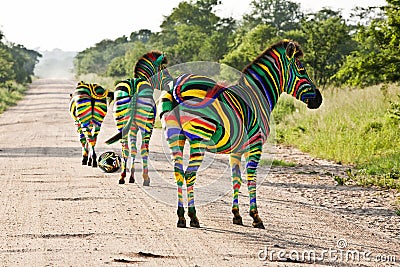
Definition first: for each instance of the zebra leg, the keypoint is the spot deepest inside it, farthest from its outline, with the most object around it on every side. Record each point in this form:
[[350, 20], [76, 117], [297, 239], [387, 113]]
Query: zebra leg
[[176, 143], [82, 139], [93, 142], [125, 155], [197, 150], [87, 131], [144, 151], [133, 139], [234, 161], [92, 155], [252, 160], [85, 152], [94, 158]]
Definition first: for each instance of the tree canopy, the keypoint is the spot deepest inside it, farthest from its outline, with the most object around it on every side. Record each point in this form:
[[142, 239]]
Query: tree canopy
[[17, 63], [338, 51]]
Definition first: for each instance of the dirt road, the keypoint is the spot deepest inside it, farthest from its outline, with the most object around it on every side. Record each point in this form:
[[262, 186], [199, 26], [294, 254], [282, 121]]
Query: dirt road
[[55, 212]]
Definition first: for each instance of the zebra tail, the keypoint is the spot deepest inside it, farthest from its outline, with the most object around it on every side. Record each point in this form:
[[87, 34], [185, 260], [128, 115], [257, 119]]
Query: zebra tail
[[114, 139], [168, 103], [127, 126]]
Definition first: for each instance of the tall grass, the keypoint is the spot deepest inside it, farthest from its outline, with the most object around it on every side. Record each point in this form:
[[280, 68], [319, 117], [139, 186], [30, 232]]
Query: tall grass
[[358, 127], [105, 82], [10, 93]]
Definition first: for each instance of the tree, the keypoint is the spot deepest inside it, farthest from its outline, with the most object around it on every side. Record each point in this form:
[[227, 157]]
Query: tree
[[96, 59], [24, 62], [142, 35], [328, 42], [6, 65], [377, 58], [281, 14], [116, 68], [193, 30], [254, 42]]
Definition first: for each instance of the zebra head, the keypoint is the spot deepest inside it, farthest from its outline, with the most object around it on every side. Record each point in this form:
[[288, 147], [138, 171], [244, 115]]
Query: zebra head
[[298, 82], [152, 67]]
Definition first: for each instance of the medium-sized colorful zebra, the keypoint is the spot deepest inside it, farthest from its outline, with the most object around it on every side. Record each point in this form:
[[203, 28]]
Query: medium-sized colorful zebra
[[135, 109], [88, 107], [231, 120]]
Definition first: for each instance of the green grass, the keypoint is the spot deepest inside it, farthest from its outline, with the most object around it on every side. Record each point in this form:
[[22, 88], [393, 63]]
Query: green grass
[[10, 94], [276, 162], [106, 82], [357, 127]]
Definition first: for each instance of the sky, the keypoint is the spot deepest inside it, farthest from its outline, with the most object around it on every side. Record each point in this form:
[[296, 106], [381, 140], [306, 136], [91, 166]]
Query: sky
[[74, 25]]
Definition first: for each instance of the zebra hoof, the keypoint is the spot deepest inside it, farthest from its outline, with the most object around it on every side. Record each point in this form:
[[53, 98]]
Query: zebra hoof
[[238, 220], [181, 223], [131, 179], [258, 225], [84, 160], [94, 164], [194, 223], [121, 181], [146, 182]]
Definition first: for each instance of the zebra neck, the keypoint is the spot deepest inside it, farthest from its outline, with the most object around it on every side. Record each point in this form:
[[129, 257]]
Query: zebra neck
[[266, 75]]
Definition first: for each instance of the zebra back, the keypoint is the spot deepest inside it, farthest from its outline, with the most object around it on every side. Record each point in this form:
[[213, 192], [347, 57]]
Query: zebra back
[[89, 104]]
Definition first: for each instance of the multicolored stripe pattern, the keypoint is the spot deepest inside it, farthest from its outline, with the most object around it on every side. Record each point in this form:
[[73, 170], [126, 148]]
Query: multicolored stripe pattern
[[88, 107], [231, 120], [135, 109]]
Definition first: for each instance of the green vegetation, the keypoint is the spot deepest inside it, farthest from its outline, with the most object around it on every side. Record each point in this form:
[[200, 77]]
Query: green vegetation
[[340, 180], [106, 82], [16, 70], [360, 51], [360, 127], [357, 127], [276, 162], [10, 94]]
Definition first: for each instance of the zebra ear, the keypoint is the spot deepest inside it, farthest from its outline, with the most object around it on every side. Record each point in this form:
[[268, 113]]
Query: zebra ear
[[159, 60], [290, 50]]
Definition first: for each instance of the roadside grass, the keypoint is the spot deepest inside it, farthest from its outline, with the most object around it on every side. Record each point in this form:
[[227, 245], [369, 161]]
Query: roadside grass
[[276, 163], [105, 82], [10, 93], [359, 127]]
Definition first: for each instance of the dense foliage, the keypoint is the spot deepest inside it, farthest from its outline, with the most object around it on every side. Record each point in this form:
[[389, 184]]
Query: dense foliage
[[16, 63], [358, 127], [360, 52], [377, 57], [16, 69]]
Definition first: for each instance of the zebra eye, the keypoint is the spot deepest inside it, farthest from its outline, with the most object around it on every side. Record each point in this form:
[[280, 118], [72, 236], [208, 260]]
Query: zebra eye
[[299, 66]]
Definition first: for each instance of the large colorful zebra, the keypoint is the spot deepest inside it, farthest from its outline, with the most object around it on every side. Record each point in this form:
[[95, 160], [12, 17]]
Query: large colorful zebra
[[231, 120], [135, 108], [88, 107]]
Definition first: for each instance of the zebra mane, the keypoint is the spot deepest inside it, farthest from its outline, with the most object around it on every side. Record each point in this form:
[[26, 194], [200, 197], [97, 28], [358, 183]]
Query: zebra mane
[[299, 52], [142, 67]]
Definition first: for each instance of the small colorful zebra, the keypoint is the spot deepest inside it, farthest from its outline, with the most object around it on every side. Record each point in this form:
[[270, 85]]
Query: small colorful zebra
[[88, 107], [135, 109], [231, 120]]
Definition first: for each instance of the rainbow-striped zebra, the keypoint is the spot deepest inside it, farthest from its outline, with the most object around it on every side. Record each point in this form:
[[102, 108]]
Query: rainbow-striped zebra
[[231, 120], [135, 106], [88, 107]]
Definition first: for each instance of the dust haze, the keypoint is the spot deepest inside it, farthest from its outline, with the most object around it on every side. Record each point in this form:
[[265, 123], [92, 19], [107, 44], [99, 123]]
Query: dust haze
[[55, 64]]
